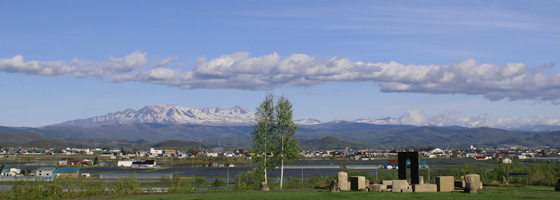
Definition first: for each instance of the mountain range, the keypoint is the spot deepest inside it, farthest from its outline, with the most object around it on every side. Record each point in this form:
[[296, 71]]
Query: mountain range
[[170, 114], [177, 115], [356, 135], [238, 116], [232, 127]]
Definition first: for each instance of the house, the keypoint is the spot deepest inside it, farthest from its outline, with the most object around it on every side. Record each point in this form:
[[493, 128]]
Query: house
[[231, 165], [67, 173], [70, 161], [11, 171], [46, 173], [436, 151], [423, 165], [155, 152], [151, 163], [5, 172], [143, 153], [218, 164]]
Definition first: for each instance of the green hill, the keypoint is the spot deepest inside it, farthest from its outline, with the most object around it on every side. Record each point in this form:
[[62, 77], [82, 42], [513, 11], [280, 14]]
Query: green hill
[[179, 144], [8, 144], [14, 138], [45, 144], [329, 142]]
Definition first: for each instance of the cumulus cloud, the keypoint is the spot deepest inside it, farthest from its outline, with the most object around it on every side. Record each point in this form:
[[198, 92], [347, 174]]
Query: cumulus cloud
[[453, 118], [413, 117], [165, 62], [513, 81], [75, 67]]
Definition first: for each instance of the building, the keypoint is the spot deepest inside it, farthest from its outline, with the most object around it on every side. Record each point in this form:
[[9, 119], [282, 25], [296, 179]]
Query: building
[[125, 163], [218, 164], [70, 161], [143, 153], [155, 152], [67, 173], [423, 165], [139, 165], [5, 172], [47, 173], [151, 163], [11, 171], [169, 152]]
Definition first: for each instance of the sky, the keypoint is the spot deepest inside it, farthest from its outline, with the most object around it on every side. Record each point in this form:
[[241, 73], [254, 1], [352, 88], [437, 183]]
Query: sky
[[493, 63]]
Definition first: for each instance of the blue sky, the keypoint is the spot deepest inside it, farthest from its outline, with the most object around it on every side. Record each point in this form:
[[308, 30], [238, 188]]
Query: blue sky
[[335, 60]]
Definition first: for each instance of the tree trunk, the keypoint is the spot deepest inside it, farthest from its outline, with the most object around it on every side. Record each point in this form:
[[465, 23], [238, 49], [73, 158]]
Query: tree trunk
[[265, 178], [281, 173], [282, 164]]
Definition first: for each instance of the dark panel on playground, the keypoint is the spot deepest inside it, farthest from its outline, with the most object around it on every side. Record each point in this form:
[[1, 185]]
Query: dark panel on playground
[[414, 166]]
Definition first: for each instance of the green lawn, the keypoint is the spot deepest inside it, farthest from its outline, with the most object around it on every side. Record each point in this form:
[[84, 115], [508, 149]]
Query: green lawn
[[531, 189], [318, 195]]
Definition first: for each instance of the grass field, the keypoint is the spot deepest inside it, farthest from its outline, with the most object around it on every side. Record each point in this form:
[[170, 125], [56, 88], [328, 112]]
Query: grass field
[[316, 195]]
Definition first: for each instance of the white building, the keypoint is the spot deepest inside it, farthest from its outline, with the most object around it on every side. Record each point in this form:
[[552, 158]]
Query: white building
[[125, 163], [155, 152]]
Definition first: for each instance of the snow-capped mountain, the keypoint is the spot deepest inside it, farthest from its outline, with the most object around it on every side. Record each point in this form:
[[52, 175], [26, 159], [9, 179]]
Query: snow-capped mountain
[[170, 114], [308, 121], [378, 121]]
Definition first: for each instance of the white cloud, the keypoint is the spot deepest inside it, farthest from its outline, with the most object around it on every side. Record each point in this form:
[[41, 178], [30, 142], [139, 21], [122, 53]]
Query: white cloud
[[165, 62], [453, 118], [75, 67], [513, 81], [413, 117]]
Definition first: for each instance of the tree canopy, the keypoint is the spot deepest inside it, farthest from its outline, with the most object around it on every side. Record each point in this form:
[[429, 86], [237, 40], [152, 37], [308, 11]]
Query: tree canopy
[[272, 138]]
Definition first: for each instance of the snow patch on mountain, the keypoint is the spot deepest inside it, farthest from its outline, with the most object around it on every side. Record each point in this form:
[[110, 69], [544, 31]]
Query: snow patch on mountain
[[171, 114], [378, 121], [308, 121]]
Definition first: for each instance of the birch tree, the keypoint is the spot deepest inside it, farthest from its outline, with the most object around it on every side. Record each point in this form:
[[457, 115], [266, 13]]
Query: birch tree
[[273, 141], [263, 134], [286, 147]]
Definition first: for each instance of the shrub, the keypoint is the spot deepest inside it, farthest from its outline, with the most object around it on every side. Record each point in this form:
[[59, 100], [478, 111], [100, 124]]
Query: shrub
[[249, 180], [198, 181], [218, 183]]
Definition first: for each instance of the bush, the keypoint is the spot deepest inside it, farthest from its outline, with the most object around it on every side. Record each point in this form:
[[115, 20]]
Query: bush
[[218, 183], [393, 175], [198, 181], [319, 180], [249, 179], [129, 185]]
